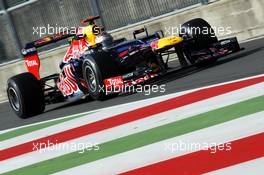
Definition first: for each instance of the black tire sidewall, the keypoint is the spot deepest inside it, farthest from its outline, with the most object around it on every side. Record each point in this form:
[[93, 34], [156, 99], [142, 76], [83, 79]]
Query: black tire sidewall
[[202, 40], [20, 110], [99, 94], [30, 95]]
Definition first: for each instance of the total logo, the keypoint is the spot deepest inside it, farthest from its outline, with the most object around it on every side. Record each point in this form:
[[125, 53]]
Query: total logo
[[31, 63], [115, 81]]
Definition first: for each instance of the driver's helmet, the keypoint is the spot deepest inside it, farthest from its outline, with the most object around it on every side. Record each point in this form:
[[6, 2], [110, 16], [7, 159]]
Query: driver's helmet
[[90, 34], [105, 39], [94, 35]]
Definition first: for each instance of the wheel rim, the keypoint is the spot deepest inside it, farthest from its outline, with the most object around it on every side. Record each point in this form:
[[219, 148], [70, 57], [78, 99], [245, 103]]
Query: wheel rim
[[14, 99], [91, 79]]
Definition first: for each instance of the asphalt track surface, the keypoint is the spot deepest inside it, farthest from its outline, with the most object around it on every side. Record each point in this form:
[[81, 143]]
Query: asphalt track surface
[[246, 63]]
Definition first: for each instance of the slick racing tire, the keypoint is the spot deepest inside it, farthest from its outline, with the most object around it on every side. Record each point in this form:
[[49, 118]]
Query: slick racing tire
[[199, 35], [97, 67], [25, 95]]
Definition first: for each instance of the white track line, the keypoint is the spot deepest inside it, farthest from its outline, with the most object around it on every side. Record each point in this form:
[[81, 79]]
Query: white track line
[[5, 101], [47, 121], [253, 39]]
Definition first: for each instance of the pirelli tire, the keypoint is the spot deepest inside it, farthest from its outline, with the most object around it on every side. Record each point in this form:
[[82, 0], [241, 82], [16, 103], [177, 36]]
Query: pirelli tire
[[25, 95], [199, 35], [97, 67]]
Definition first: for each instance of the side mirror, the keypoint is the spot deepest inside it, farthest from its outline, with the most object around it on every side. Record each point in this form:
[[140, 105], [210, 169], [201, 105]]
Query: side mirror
[[78, 37], [69, 40]]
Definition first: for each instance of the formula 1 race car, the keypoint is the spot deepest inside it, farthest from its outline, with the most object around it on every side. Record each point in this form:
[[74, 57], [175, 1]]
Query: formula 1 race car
[[96, 65]]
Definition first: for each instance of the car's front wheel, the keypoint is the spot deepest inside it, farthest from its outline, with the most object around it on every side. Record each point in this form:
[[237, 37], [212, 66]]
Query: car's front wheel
[[94, 80], [96, 68], [199, 36]]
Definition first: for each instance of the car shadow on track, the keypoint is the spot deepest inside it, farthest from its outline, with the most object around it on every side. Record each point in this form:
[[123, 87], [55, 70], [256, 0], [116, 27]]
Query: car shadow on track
[[69, 104]]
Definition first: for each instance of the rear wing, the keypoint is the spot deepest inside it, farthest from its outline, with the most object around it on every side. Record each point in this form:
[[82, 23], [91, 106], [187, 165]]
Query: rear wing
[[30, 52]]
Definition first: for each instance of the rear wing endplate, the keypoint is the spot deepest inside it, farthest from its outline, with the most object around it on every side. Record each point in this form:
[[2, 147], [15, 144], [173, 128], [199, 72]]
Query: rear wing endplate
[[30, 52]]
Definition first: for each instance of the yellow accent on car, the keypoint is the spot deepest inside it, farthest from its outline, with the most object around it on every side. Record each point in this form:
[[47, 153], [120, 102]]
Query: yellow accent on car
[[89, 35], [169, 41]]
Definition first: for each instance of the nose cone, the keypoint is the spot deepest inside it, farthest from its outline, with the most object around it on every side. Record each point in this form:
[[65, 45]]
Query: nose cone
[[166, 42]]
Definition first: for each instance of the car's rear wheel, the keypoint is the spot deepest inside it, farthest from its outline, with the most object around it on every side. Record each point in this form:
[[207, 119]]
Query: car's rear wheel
[[25, 95]]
